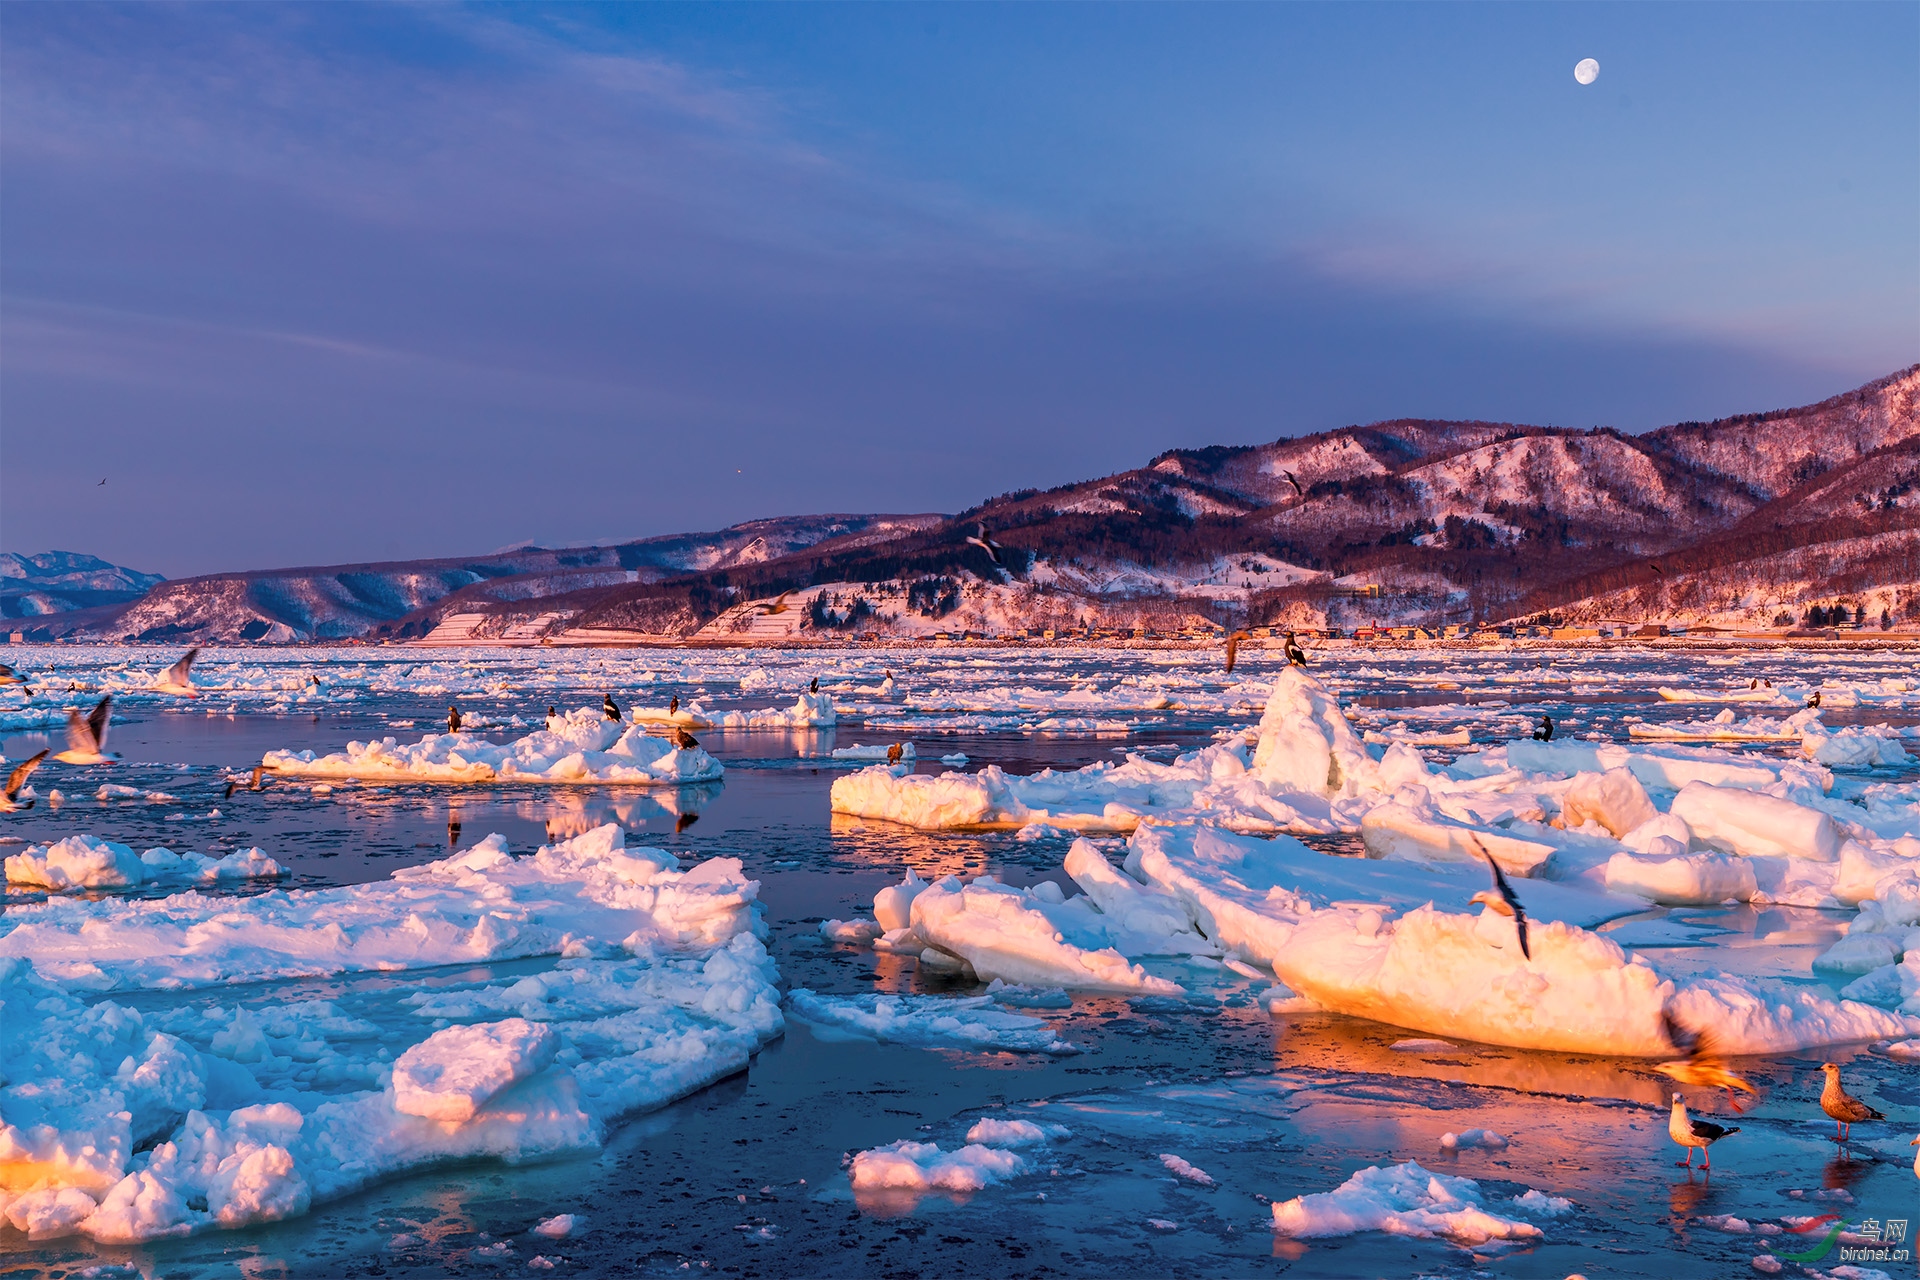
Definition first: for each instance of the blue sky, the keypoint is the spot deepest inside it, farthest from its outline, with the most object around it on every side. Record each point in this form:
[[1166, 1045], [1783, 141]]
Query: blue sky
[[322, 284]]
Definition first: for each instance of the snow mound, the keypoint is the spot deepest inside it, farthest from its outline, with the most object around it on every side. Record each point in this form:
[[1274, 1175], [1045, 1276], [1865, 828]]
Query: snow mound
[[923, 1166], [1403, 1200], [582, 747], [88, 862]]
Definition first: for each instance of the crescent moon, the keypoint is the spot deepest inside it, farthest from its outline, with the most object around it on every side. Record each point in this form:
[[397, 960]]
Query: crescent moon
[[1586, 71]]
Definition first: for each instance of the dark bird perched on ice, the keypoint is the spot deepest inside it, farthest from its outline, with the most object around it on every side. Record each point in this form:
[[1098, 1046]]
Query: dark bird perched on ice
[[1233, 649], [1814, 701], [1754, 683], [1694, 1135], [10, 802], [779, 604], [9, 676], [453, 719], [1700, 1062], [673, 705], [609, 706], [1501, 900], [984, 540], [814, 687], [1295, 654], [87, 739], [1294, 480], [551, 711], [1846, 1110], [893, 754], [1545, 732], [684, 740]]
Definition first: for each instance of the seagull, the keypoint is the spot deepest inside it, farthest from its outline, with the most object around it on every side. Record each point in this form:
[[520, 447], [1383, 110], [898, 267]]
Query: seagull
[[984, 540], [453, 719], [1845, 1109], [1501, 899], [1295, 482], [609, 706], [177, 678], [673, 705], [1700, 1061], [779, 604], [893, 754], [684, 740], [9, 676], [103, 480], [1545, 732], [1691, 1133], [1295, 654], [233, 781], [10, 802], [87, 739], [1233, 649]]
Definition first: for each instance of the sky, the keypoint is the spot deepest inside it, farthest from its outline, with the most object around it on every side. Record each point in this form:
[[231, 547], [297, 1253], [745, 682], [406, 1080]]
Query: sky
[[324, 284]]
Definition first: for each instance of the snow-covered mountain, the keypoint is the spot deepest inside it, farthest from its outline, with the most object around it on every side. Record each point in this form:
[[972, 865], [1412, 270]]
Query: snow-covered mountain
[[59, 581], [1749, 519]]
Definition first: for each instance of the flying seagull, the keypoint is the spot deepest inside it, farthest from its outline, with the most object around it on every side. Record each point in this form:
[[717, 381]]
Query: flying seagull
[[10, 802], [1501, 900], [1845, 1109], [178, 678], [684, 740], [87, 739], [779, 604], [1700, 1062], [234, 781], [1233, 649], [9, 676], [1694, 1134], [984, 540], [1295, 655], [453, 719], [1545, 732], [1656, 568], [609, 706], [1295, 482]]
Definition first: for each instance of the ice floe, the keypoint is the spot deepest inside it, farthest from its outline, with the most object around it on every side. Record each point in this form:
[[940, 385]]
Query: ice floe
[[88, 862], [1407, 1200], [948, 1022]]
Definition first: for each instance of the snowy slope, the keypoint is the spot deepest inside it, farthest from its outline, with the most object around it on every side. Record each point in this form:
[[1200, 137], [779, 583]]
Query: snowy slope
[[59, 581]]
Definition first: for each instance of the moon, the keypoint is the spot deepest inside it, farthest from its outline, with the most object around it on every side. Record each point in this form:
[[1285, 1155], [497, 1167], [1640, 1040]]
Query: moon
[[1586, 71]]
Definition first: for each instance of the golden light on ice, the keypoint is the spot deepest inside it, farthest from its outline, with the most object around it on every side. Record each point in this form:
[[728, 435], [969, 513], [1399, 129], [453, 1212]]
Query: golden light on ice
[[1586, 71]]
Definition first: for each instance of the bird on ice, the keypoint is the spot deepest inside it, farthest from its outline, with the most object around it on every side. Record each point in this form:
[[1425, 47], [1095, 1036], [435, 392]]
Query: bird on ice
[[87, 739], [984, 540], [1845, 1109], [684, 740], [815, 686], [1545, 732], [1501, 900], [1295, 654], [178, 678], [10, 801], [1694, 1134], [453, 719], [609, 706], [1700, 1062], [673, 705], [1233, 649], [1814, 701], [893, 754]]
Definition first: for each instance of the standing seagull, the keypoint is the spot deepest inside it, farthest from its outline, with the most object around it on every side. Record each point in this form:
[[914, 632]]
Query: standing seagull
[[609, 706], [178, 678], [9, 803], [1295, 654], [1845, 1109], [1233, 649], [1700, 1062], [984, 540], [1501, 900], [1545, 732], [1692, 1134], [87, 739], [453, 719]]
